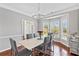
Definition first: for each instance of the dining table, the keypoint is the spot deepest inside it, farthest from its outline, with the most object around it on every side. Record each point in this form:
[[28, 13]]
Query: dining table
[[31, 43]]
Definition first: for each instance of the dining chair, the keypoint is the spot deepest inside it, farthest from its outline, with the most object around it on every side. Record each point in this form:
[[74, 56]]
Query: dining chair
[[44, 48], [33, 35], [49, 44], [23, 37], [18, 52], [29, 36]]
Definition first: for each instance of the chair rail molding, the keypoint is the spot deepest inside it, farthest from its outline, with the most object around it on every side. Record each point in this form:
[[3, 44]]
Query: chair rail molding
[[9, 36]]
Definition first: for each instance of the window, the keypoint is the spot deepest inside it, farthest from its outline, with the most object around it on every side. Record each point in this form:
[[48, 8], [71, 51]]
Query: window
[[29, 27], [55, 28], [64, 28], [45, 27], [59, 27]]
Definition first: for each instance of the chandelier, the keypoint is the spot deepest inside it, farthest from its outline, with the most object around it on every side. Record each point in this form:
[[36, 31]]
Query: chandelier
[[38, 15]]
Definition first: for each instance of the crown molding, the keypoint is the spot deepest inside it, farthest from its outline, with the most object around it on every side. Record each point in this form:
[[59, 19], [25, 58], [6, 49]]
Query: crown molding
[[64, 11], [15, 10]]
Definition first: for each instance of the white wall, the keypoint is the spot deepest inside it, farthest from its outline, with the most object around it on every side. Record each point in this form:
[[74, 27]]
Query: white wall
[[73, 21], [10, 26]]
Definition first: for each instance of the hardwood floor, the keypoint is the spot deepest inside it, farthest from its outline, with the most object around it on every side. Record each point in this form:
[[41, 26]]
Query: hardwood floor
[[59, 50], [62, 50], [5, 53]]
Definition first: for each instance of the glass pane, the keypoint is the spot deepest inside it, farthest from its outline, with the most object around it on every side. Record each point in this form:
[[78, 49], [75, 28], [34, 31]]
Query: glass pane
[[64, 28], [45, 28], [54, 28]]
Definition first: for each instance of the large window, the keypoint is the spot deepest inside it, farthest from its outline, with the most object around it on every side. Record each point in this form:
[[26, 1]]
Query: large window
[[58, 26]]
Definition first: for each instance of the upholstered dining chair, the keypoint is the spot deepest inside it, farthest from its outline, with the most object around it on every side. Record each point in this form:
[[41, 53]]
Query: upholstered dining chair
[[45, 48], [29, 36], [18, 52]]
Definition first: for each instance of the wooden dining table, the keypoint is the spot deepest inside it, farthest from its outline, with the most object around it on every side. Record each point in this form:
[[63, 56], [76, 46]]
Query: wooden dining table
[[31, 43]]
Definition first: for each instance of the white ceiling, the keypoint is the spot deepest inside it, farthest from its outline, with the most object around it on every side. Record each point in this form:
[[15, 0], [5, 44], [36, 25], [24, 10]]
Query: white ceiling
[[32, 8]]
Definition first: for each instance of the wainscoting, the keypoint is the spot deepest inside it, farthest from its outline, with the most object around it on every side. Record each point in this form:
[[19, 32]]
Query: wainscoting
[[5, 42]]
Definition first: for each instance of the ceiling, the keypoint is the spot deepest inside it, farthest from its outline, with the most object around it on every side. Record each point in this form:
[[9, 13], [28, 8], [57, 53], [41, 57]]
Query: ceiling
[[31, 9]]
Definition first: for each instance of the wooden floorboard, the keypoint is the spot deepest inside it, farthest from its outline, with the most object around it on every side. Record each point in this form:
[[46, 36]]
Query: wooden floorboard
[[6, 53]]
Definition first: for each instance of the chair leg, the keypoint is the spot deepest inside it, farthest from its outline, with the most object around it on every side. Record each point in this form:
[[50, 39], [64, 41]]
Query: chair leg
[[12, 53], [33, 53]]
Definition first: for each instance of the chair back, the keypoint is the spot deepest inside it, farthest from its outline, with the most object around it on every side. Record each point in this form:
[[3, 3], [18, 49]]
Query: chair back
[[50, 38], [46, 39], [29, 36], [34, 35], [13, 46], [47, 42]]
